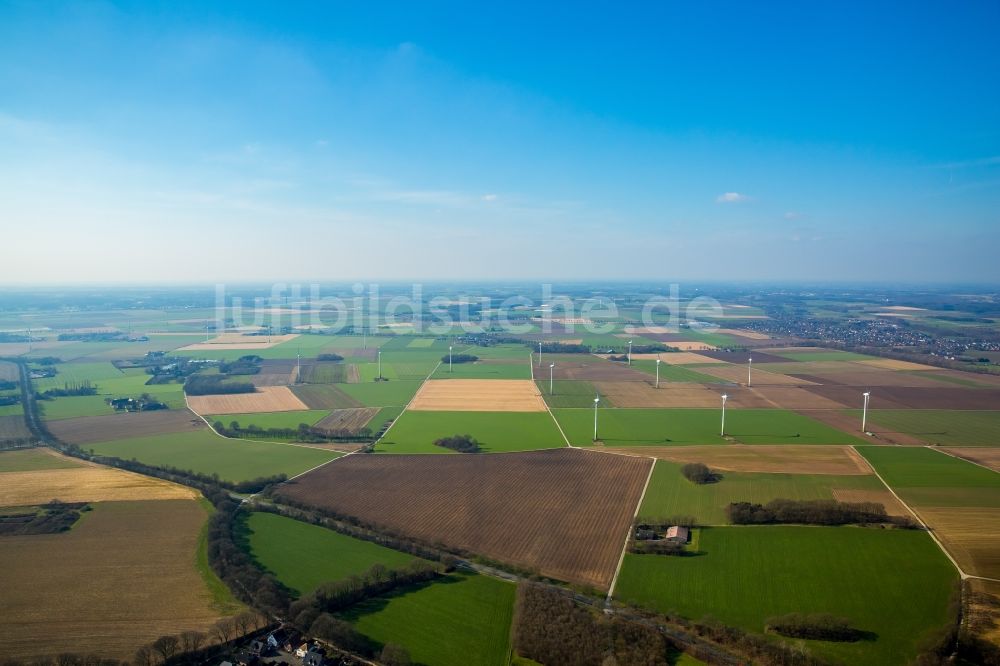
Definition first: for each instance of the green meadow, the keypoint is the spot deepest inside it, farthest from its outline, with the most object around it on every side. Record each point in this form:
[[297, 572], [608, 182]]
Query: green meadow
[[661, 427], [28, 460], [943, 427], [925, 477], [567, 393], [484, 370], [460, 620], [892, 583], [205, 452], [272, 419], [304, 556], [416, 431], [670, 494]]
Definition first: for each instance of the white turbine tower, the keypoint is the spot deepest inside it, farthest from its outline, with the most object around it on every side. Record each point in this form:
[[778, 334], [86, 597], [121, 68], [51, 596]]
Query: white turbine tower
[[380, 364], [864, 410], [449, 359], [539, 353], [552, 367], [657, 373], [723, 432], [596, 400], [630, 352], [749, 368]]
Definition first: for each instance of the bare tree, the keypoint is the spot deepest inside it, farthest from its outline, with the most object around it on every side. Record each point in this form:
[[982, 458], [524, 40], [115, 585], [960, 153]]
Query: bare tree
[[223, 630], [191, 641], [244, 621], [166, 646], [144, 656]]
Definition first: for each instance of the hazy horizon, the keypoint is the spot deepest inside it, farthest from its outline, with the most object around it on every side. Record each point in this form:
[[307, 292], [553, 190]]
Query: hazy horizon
[[181, 143]]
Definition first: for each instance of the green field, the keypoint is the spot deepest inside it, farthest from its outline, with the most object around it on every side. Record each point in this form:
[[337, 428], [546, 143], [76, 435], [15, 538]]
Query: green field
[[27, 460], [109, 382], [415, 431], [325, 396], [484, 370], [304, 556], [463, 619], [205, 452], [893, 583], [638, 427], [382, 394], [824, 355], [272, 419], [925, 477], [17, 409], [670, 494], [567, 393], [943, 427]]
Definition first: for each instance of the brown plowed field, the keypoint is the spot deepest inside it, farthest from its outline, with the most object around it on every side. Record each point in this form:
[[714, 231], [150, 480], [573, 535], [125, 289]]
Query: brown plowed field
[[324, 396], [593, 368], [14, 427], [91, 429], [851, 424], [868, 377], [741, 397], [775, 459], [275, 372], [643, 394], [265, 399], [984, 455], [123, 576], [984, 609], [971, 534], [741, 357], [903, 397], [744, 333], [351, 420], [478, 395], [687, 358], [795, 397], [9, 372], [893, 364], [563, 512], [738, 374]]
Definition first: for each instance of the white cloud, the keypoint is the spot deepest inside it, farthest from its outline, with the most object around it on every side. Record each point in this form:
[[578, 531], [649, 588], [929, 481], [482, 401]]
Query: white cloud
[[489, 197], [793, 215], [731, 197]]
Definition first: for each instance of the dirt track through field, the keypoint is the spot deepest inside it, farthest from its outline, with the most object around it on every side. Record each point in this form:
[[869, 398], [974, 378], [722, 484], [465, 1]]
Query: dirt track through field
[[851, 424], [982, 455], [265, 399], [349, 420], [778, 459], [972, 536], [561, 512], [478, 395], [92, 429]]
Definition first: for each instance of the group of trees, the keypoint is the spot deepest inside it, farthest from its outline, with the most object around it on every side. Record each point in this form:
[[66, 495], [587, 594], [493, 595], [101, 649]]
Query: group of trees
[[49, 518], [699, 473], [816, 626], [460, 358], [144, 403], [329, 357], [304, 433], [244, 365], [68, 389], [215, 385], [7, 400], [7, 385], [460, 443], [199, 646], [377, 581], [813, 512], [551, 629]]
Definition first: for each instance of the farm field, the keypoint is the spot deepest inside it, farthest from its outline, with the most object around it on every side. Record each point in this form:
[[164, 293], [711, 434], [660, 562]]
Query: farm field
[[91, 429], [561, 512], [675, 373], [989, 457], [941, 427], [478, 395], [13, 427], [960, 501], [484, 369], [304, 556], [106, 560], [774, 459], [36, 476], [671, 494], [748, 574], [462, 619], [416, 431], [271, 419], [353, 420], [207, 453], [382, 394], [567, 393], [632, 427], [646, 395], [325, 396], [264, 399]]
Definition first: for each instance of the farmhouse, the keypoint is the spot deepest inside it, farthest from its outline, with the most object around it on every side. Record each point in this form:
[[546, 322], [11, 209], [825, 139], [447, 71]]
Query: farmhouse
[[677, 534]]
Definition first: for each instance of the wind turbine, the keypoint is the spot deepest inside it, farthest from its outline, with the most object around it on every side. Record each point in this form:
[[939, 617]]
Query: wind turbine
[[552, 367], [864, 410], [630, 352], [449, 359], [749, 368], [724, 396], [539, 353], [657, 373], [596, 400], [380, 364]]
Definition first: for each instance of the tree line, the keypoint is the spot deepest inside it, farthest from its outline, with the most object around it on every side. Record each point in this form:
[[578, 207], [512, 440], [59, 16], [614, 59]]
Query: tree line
[[304, 433], [215, 385], [814, 512]]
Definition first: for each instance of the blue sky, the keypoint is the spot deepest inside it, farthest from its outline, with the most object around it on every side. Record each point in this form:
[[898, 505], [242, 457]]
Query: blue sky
[[341, 141]]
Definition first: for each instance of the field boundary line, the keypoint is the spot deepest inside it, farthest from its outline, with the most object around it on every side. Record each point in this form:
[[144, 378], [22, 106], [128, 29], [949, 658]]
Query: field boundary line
[[957, 457], [961, 573], [628, 534], [407, 405], [240, 439]]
